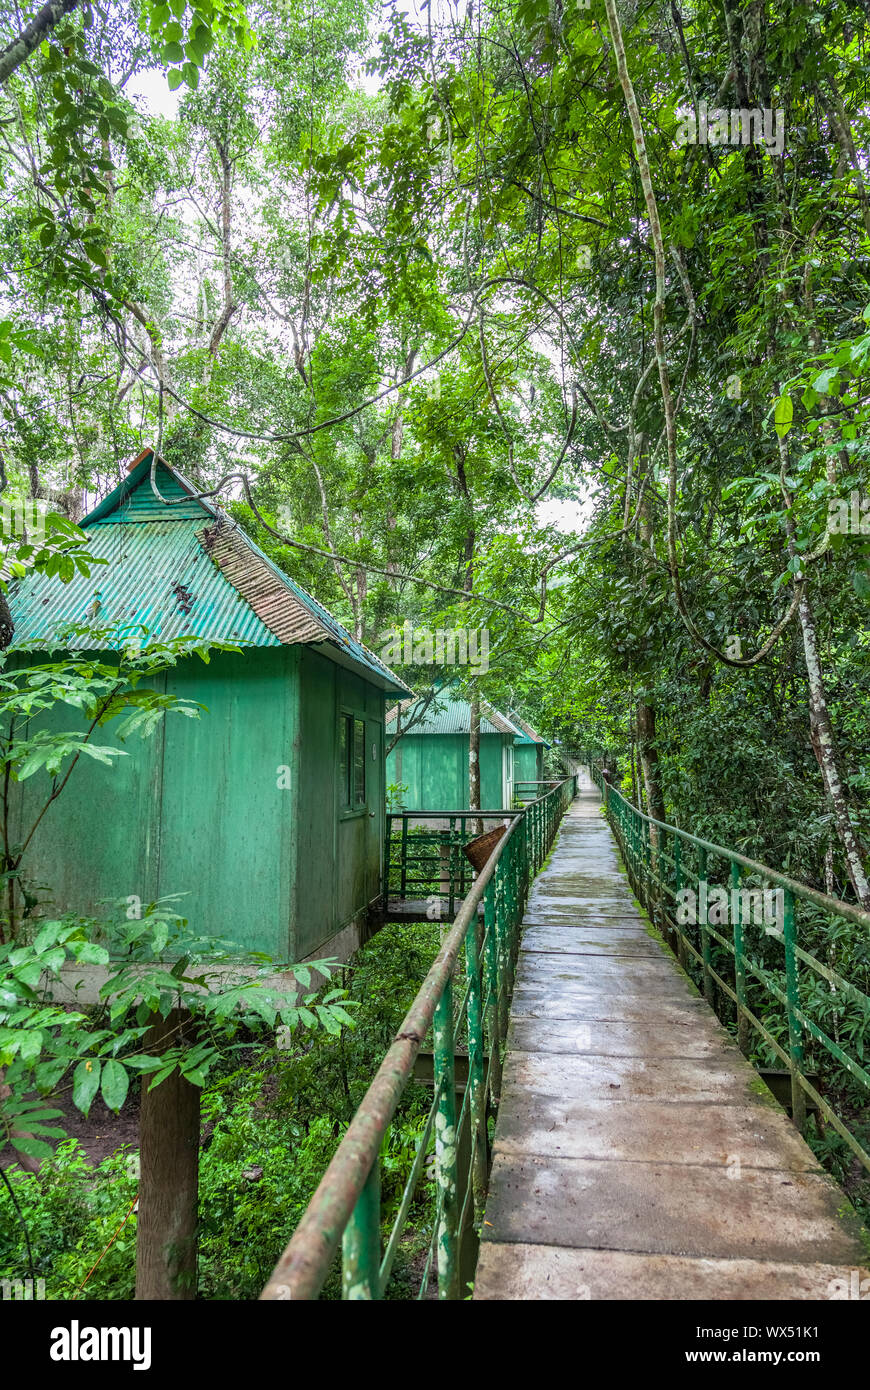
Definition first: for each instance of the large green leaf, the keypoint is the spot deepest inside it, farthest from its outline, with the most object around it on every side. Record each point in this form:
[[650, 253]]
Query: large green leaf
[[114, 1084], [783, 415], [86, 1083]]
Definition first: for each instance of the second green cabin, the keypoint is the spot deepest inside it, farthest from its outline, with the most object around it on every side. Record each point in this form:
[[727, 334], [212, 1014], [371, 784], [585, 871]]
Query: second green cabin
[[528, 759], [428, 766]]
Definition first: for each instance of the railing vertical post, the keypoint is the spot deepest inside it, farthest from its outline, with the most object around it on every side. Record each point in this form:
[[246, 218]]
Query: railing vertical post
[[492, 983], [519, 875], [647, 861], [510, 923], [678, 883], [795, 1043], [388, 837], [476, 1084], [403, 867], [502, 912], [520, 870], [447, 1244], [702, 922], [739, 966], [361, 1243], [451, 860]]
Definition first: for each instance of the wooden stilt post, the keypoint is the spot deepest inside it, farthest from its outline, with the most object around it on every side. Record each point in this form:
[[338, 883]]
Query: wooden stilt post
[[169, 1128]]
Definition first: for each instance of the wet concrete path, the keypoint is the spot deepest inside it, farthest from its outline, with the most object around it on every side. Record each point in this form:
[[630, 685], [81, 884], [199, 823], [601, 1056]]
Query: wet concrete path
[[637, 1155]]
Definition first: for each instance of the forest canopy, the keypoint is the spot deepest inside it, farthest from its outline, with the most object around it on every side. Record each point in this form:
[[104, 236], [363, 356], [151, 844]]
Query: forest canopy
[[545, 318]]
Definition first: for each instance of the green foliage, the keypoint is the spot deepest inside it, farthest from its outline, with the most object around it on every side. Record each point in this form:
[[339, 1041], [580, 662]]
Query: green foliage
[[154, 965], [421, 318], [270, 1128], [71, 1211]]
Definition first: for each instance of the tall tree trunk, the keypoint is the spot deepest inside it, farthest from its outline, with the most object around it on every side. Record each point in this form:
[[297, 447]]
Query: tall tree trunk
[[361, 580], [468, 586], [226, 232], [825, 749], [821, 729], [646, 716], [474, 760], [632, 745], [649, 762]]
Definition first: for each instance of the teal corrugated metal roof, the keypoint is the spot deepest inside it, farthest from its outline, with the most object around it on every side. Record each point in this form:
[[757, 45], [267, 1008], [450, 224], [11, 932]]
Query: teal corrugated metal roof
[[450, 717], [134, 499], [158, 576], [182, 568]]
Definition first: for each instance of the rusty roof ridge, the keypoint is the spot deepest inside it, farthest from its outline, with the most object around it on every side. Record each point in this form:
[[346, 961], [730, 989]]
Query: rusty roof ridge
[[526, 727], [332, 630], [300, 591]]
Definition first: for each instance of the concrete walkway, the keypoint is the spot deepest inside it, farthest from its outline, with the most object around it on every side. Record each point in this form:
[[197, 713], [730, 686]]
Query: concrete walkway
[[637, 1155]]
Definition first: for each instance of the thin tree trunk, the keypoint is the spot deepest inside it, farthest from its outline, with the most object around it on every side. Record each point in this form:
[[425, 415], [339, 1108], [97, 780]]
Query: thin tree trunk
[[645, 714], [825, 749], [821, 728], [361, 580], [632, 746], [226, 230], [474, 760], [649, 762], [158, 357]]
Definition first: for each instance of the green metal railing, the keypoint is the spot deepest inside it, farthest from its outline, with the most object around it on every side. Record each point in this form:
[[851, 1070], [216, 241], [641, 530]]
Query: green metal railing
[[423, 853], [694, 891], [346, 1208], [526, 790], [424, 850]]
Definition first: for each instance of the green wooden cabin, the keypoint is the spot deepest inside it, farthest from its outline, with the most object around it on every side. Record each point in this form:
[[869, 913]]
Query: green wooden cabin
[[528, 752], [431, 759], [268, 810]]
